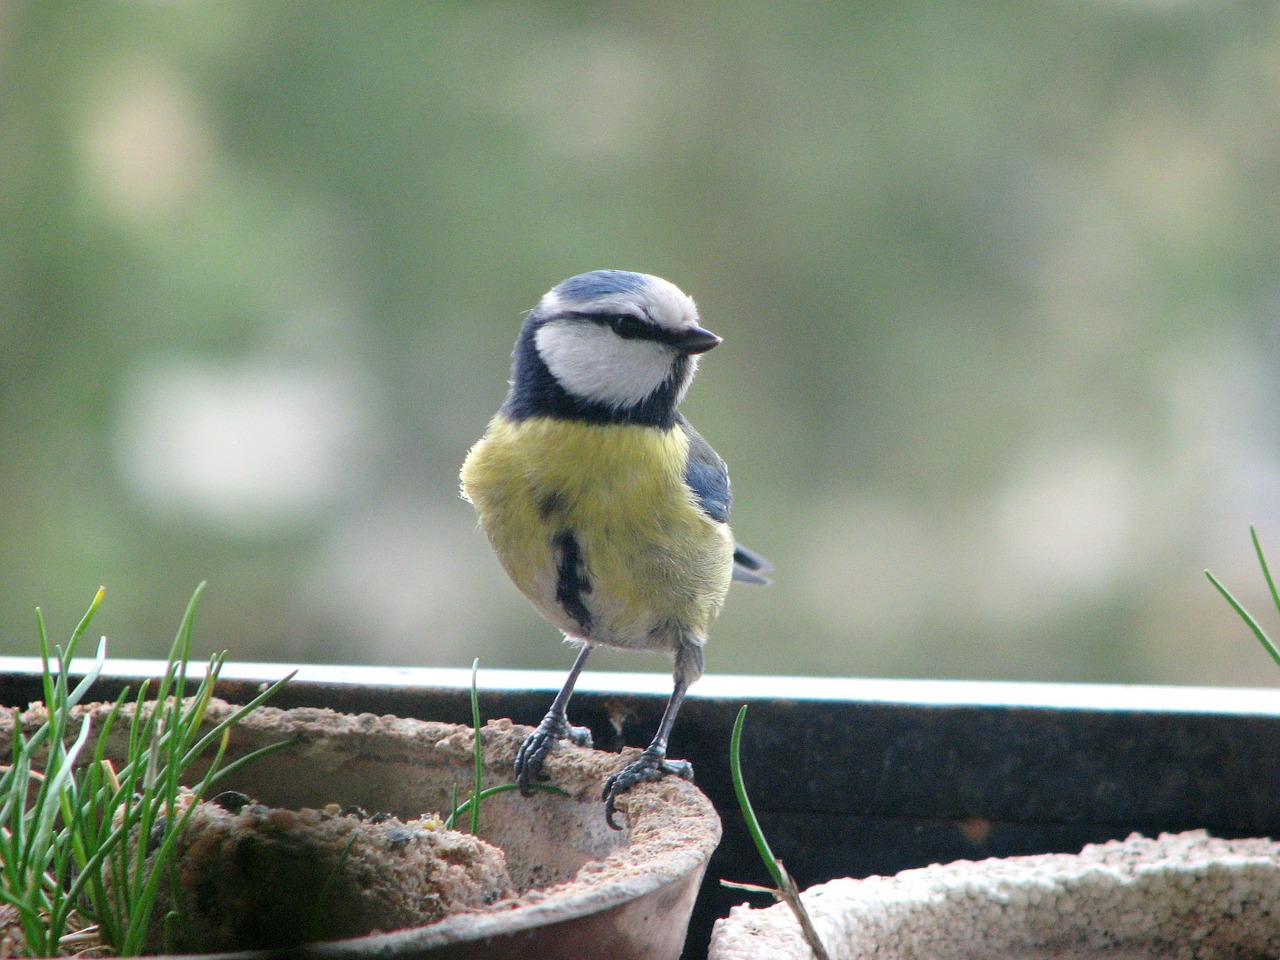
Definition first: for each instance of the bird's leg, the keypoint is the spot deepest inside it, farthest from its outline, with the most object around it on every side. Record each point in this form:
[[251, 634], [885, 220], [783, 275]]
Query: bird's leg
[[653, 764], [554, 727]]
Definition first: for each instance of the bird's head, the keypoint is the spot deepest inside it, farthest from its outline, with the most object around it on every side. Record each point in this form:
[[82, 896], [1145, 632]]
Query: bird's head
[[608, 346]]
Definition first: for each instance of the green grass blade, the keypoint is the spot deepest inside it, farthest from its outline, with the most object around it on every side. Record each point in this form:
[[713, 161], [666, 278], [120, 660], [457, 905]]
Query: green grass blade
[[83, 626], [314, 922], [230, 768], [478, 751], [223, 742], [235, 717], [1266, 570], [175, 677], [55, 681], [95, 670], [786, 891], [1247, 617], [46, 673], [450, 822], [744, 801]]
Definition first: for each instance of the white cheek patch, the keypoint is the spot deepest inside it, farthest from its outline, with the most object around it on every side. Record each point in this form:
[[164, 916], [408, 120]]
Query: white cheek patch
[[592, 362]]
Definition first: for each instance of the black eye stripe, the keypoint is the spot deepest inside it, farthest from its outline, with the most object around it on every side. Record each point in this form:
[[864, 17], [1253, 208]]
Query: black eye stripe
[[626, 325], [630, 328]]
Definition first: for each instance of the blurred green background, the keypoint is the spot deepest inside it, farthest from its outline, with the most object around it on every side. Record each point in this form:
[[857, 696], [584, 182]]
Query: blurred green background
[[998, 282]]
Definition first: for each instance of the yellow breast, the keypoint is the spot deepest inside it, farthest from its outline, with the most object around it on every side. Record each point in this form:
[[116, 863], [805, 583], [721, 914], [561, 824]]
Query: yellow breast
[[657, 568]]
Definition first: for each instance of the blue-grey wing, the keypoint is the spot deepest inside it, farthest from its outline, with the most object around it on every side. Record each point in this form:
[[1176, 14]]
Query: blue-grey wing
[[708, 478]]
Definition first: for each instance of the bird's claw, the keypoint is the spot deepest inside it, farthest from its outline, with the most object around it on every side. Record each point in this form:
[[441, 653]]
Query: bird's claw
[[651, 767], [536, 747]]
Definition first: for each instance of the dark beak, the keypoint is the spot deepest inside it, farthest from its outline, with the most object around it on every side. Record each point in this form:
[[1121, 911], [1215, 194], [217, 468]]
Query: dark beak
[[694, 340]]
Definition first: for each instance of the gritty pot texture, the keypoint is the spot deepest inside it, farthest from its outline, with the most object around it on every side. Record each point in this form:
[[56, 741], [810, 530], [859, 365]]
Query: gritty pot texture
[[1187, 896]]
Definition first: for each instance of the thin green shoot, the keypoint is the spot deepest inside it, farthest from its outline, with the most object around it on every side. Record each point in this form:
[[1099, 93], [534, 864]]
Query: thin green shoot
[[471, 805], [1267, 643], [315, 921], [479, 748], [785, 890], [468, 804]]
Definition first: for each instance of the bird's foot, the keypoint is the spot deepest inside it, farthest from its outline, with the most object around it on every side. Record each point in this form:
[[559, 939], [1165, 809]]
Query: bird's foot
[[553, 728], [652, 766]]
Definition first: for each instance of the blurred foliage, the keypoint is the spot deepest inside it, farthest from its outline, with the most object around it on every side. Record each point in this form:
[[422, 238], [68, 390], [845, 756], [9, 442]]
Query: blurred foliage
[[998, 285]]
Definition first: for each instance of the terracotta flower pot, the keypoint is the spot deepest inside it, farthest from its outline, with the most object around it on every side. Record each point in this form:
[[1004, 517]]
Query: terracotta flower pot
[[1180, 896], [581, 888]]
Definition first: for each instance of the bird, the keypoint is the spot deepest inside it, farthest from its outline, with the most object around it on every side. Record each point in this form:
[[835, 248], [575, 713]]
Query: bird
[[606, 508]]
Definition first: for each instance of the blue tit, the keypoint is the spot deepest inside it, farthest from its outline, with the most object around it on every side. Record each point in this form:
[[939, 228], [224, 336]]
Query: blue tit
[[603, 504]]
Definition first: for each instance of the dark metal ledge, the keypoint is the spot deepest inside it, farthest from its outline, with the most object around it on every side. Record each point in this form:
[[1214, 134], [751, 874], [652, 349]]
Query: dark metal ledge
[[859, 777]]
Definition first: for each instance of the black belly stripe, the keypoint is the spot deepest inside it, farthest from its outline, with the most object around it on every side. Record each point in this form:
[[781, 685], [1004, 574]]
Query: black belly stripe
[[550, 504], [572, 582]]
